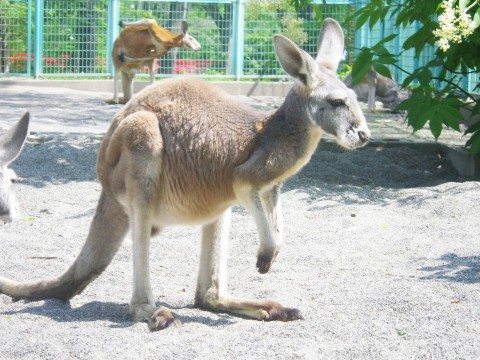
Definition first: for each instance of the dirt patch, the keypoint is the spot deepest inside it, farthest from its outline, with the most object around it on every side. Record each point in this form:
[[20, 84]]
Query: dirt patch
[[381, 255]]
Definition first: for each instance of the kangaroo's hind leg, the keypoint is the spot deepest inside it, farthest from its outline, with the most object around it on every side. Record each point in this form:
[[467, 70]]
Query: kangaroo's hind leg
[[141, 144], [142, 304], [212, 292]]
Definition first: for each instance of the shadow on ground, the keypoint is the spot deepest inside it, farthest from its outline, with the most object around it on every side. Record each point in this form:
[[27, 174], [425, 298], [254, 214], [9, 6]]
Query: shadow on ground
[[454, 268], [115, 313]]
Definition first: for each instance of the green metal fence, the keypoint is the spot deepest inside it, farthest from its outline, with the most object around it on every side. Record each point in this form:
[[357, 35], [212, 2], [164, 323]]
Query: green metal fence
[[406, 59], [51, 38]]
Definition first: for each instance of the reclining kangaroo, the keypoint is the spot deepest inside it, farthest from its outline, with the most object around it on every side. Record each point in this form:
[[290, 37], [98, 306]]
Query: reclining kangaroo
[[376, 86], [11, 144], [182, 152], [138, 46]]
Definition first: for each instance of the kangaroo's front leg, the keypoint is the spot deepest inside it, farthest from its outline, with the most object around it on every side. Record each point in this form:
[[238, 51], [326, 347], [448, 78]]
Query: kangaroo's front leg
[[212, 292], [142, 304], [151, 70], [265, 208], [127, 87]]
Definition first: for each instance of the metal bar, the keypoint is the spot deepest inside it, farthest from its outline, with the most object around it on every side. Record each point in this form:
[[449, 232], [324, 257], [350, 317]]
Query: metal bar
[[38, 38], [238, 37], [29, 38], [112, 32]]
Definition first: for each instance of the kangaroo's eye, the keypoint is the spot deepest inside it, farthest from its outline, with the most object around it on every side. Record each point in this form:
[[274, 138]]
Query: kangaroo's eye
[[336, 102]]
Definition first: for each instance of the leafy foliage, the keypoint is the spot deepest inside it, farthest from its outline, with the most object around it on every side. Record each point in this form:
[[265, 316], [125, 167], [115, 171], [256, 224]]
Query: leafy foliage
[[438, 91]]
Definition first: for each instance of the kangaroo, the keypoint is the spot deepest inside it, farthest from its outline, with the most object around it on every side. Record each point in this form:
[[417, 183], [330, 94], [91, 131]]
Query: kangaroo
[[184, 152], [138, 46], [376, 86], [11, 145]]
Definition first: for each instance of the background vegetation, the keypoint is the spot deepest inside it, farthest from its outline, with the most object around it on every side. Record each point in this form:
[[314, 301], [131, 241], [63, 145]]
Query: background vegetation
[[75, 34]]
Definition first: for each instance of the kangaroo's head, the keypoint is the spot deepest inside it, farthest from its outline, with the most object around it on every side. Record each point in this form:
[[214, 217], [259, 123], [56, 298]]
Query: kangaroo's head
[[325, 100], [11, 144], [189, 42]]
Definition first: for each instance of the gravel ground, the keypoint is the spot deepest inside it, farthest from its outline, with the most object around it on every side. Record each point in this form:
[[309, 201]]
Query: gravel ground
[[381, 255]]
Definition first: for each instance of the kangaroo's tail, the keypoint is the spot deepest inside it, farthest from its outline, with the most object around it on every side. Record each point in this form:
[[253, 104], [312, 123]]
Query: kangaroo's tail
[[107, 231]]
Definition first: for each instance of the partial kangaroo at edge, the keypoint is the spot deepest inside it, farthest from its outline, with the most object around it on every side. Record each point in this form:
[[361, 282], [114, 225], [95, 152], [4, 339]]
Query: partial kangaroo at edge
[[11, 145], [182, 152]]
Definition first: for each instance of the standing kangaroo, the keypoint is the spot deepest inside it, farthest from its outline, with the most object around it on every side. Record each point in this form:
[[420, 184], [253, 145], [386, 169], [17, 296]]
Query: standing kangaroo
[[182, 152], [138, 46], [11, 144], [376, 86]]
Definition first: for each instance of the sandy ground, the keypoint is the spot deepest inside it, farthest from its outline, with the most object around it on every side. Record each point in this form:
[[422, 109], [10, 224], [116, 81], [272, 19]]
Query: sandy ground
[[381, 255]]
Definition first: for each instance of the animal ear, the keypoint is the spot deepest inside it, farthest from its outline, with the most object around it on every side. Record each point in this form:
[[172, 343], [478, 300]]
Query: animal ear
[[184, 27], [296, 62], [11, 143], [330, 45]]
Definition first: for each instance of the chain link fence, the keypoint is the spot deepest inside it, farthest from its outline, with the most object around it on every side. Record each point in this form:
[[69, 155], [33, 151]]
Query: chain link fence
[[75, 37]]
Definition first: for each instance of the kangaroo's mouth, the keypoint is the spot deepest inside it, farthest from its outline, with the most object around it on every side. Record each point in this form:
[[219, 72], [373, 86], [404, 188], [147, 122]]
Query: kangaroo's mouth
[[354, 138]]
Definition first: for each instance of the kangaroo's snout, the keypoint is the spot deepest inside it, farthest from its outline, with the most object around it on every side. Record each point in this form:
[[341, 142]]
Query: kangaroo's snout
[[190, 43]]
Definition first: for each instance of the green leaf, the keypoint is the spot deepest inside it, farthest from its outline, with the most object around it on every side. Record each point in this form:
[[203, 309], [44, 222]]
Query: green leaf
[[472, 128], [436, 124], [463, 4], [374, 16], [474, 143], [476, 18], [382, 70], [450, 116], [318, 12], [387, 39], [361, 20], [406, 104], [424, 77], [361, 66]]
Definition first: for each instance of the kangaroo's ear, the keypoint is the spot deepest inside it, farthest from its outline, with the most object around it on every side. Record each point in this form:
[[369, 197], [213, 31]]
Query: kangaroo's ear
[[296, 62], [184, 27], [11, 143], [330, 45]]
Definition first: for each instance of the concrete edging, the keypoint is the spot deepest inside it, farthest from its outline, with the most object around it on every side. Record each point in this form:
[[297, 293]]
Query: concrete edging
[[245, 88]]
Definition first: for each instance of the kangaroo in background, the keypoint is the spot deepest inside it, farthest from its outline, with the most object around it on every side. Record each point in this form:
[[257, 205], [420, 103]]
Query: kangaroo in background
[[184, 152], [137, 46], [11, 145], [376, 86]]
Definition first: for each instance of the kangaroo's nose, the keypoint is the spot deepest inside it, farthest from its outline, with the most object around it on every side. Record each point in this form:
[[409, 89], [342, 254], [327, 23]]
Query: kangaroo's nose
[[363, 136]]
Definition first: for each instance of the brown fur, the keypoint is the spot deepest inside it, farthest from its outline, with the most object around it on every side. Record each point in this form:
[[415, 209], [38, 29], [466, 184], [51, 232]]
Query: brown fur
[[183, 152], [137, 46]]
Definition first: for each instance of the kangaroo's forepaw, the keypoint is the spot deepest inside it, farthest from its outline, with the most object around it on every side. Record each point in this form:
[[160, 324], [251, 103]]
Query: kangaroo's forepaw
[[162, 319], [265, 261]]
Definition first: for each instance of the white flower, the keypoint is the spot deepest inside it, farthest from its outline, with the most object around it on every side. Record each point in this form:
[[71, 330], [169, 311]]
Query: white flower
[[454, 25]]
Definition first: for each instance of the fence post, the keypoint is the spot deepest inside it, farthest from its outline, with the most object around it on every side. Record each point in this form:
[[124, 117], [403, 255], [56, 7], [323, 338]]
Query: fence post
[[112, 32], [38, 38], [29, 38], [363, 33], [238, 37]]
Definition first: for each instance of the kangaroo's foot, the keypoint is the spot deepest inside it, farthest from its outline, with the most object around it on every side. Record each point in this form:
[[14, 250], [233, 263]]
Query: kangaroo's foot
[[121, 100], [156, 318], [264, 310]]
